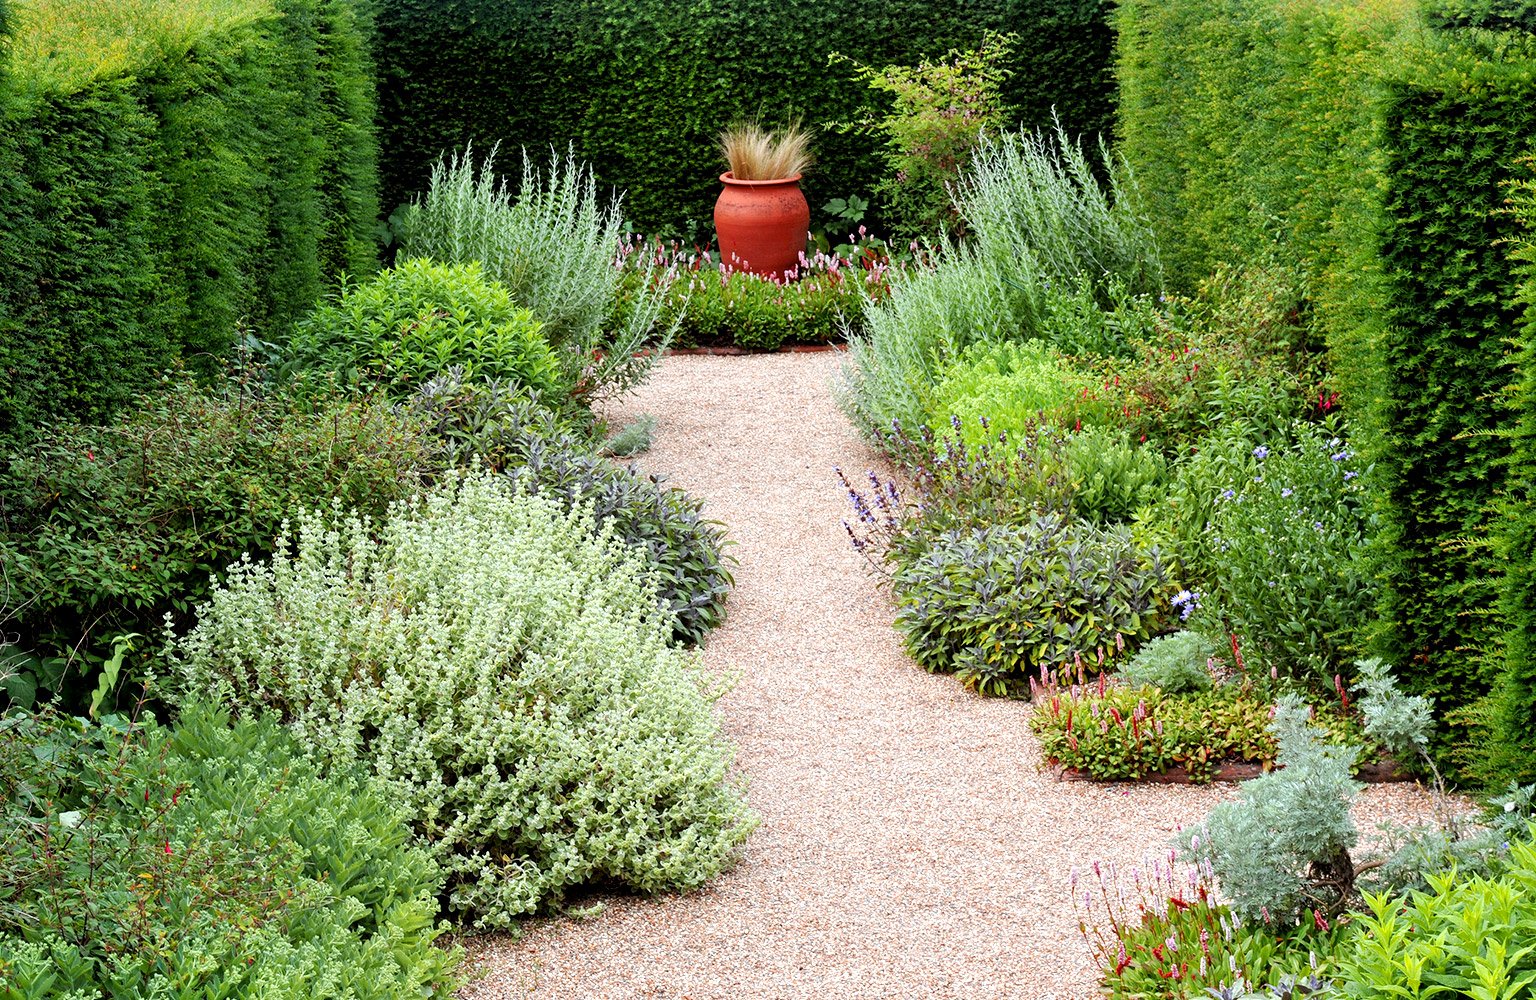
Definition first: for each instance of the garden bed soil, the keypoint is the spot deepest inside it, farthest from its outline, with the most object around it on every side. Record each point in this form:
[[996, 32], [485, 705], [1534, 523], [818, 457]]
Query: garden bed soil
[[1386, 772]]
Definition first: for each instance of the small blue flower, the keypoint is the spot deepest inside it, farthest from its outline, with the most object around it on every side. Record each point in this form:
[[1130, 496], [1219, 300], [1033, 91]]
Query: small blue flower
[[1350, 475], [1227, 494], [1261, 453], [1286, 492]]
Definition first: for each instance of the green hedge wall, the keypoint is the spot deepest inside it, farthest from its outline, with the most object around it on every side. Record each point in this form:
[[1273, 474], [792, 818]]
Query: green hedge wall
[[149, 214], [1370, 143], [1513, 754], [1456, 119], [643, 87]]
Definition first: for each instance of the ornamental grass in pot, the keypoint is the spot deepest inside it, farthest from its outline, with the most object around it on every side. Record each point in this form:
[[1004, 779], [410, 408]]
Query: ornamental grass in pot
[[762, 218]]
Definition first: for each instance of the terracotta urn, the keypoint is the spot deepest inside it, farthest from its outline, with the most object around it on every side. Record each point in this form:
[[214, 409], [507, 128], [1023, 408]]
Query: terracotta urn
[[763, 225]]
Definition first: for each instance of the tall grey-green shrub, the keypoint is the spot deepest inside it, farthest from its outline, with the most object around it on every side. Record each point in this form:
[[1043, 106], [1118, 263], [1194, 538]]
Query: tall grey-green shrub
[[554, 243], [500, 663], [1281, 849], [1041, 224]]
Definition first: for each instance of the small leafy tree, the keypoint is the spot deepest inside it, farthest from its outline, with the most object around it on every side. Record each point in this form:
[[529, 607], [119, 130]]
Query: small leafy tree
[[938, 112]]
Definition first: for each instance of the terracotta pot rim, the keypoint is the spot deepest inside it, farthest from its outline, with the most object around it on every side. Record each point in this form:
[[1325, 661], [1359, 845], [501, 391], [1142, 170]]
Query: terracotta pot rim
[[728, 178]]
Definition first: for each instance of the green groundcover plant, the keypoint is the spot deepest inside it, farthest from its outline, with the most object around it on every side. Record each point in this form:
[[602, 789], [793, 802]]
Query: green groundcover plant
[[205, 861], [502, 666]]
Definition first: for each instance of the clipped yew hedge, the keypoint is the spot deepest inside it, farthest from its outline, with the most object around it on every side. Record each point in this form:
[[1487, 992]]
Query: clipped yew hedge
[[209, 175], [643, 87], [1372, 144]]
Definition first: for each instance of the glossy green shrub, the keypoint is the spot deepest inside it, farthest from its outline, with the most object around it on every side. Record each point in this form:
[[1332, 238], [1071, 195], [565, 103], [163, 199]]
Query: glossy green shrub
[[498, 427], [206, 171], [201, 862], [106, 529], [501, 665], [1463, 936], [644, 87], [418, 319], [998, 605]]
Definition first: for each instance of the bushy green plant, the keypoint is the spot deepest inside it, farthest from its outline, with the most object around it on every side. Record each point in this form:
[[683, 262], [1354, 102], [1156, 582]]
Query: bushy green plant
[[1042, 223], [1010, 388], [1112, 733], [1466, 935], [1111, 477], [555, 247], [938, 111], [1280, 852], [204, 861], [106, 529], [1176, 664], [1291, 571], [999, 604], [712, 305], [498, 427], [500, 664], [1181, 520], [416, 320]]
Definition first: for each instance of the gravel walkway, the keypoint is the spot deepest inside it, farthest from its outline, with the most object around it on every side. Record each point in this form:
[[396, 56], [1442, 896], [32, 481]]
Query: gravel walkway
[[909, 847]]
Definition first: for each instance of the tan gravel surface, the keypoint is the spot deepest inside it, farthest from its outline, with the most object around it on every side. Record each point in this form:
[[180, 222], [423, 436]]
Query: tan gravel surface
[[909, 846]]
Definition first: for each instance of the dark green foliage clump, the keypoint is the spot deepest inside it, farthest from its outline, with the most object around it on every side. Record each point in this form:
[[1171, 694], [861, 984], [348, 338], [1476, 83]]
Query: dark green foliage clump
[[1511, 753], [106, 528], [204, 861], [150, 215], [1454, 128], [500, 426], [998, 605], [643, 87]]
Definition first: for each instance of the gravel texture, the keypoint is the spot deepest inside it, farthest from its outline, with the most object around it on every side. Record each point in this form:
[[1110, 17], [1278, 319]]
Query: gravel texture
[[910, 847]]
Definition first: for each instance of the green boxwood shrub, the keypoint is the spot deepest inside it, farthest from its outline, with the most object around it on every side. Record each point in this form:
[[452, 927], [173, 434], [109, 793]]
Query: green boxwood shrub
[[643, 87], [205, 861], [105, 529], [416, 320], [205, 171], [502, 666]]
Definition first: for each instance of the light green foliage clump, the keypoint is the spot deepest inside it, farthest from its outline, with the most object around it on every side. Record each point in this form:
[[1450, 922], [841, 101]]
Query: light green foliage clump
[[417, 320], [1112, 478], [1175, 664], [1463, 936], [204, 862], [555, 247], [1015, 387], [1281, 850], [502, 666]]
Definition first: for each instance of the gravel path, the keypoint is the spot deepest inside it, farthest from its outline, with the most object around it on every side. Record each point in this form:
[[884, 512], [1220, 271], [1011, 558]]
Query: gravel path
[[909, 847]]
